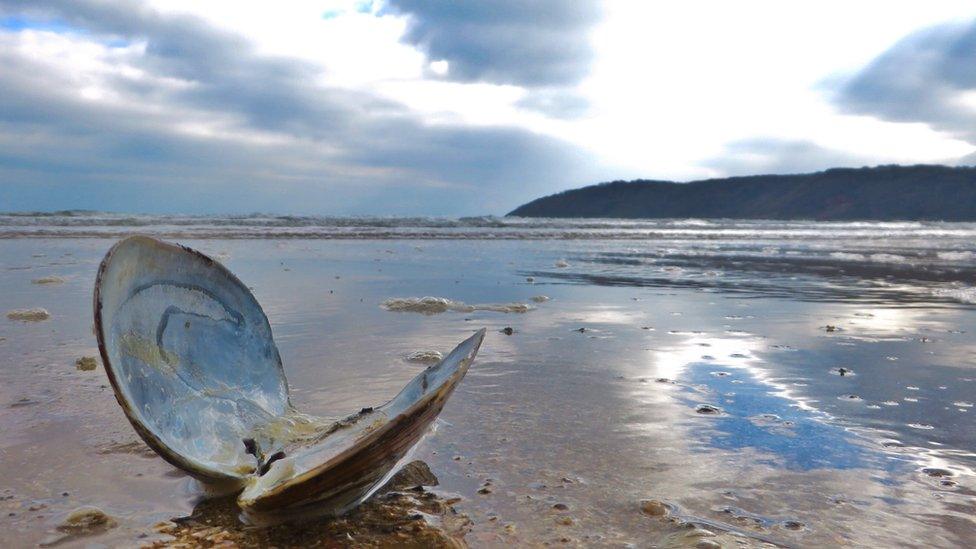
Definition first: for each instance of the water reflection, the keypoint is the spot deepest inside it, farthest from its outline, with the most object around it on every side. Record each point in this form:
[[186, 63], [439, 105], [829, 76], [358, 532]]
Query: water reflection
[[880, 271], [747, 409], [755, 415]]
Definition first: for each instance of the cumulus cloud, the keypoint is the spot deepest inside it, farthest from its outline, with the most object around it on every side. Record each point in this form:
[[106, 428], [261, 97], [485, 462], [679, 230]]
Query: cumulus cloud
[[927, 77], [526, 43], [120, 106]]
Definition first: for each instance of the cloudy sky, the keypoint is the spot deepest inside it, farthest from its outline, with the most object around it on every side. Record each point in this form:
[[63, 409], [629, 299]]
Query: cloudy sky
[[438, 107]]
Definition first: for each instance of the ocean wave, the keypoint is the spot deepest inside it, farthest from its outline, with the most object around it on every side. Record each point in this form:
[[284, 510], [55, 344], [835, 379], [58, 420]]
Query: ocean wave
[[956, 255], [847, 256], [894, 243], [964, 294], [888, 258]]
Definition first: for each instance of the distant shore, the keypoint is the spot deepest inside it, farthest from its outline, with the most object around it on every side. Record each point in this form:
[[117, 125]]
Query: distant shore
[[882, 193]]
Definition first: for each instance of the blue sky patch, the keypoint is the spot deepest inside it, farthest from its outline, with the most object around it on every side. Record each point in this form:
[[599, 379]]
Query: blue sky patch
[[364, 6], [19, 23]]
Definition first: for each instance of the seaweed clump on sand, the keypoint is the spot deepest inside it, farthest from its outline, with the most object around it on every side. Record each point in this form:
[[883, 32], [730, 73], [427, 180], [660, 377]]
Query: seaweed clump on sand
[[401, 514]]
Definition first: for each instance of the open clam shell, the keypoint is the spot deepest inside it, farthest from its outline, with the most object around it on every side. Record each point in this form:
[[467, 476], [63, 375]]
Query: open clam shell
[[190, 355]]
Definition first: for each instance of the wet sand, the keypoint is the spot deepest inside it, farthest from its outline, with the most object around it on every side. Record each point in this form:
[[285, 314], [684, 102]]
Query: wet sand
[[636, 406]]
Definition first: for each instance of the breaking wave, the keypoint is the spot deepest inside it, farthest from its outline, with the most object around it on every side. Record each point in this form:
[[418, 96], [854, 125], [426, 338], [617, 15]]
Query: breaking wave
[[80, 223]]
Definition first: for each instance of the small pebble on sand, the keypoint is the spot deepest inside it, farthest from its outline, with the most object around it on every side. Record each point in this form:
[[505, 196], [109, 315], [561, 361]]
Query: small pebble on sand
[[83, 521], [86, 519], [653, 508], [414, 474], [86, 363], [708, 409], [937, 472]]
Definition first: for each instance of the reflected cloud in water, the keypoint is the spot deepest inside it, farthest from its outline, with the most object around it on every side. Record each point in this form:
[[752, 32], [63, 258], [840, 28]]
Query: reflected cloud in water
[[745, 408]]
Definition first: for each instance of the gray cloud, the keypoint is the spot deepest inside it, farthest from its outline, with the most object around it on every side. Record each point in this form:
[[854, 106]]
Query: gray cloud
[[287, 143], [523, 42], [920, 79], [779, 156]]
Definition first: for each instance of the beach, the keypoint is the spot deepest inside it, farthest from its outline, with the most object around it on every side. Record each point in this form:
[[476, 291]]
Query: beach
[[663, 383]]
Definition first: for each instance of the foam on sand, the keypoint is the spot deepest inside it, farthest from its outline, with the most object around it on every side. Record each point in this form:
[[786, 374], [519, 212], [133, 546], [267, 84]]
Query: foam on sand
[[425, 357], [36, 314], [436, 305], [48, 280]]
